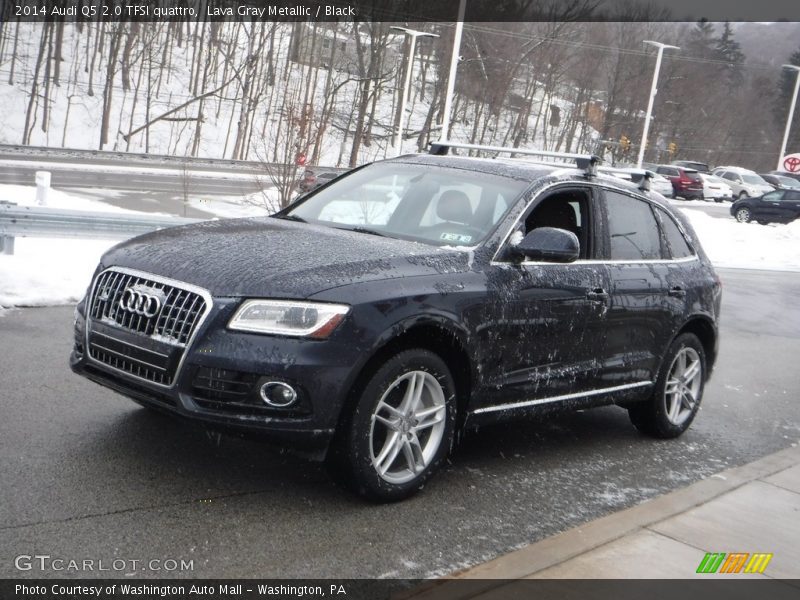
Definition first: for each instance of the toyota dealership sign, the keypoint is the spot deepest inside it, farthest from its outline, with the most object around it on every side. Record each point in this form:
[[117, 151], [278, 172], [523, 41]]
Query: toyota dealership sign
[[791, 163]]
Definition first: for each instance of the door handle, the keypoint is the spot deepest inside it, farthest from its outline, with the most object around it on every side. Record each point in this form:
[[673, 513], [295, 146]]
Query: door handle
[[677, 292], [598, 294]]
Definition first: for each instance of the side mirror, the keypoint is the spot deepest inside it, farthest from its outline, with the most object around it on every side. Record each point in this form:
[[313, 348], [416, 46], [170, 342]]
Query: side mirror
[[549, 244]]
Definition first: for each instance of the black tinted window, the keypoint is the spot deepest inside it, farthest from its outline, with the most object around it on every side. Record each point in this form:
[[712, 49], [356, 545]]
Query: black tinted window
[[632, 228], [677, 244], [791, 195]]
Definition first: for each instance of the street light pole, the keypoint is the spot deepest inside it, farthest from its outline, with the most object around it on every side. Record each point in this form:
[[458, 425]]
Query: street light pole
[[398, 135], [653, 92], [451, 78], [796, 69]]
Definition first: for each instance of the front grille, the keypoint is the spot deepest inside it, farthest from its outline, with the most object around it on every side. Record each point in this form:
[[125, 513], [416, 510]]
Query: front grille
[[144, 363], [148, 347], [176, 320]]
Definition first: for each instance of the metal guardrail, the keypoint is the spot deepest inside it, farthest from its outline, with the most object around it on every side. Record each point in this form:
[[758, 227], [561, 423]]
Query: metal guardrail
[[141, 159], [42, 221]]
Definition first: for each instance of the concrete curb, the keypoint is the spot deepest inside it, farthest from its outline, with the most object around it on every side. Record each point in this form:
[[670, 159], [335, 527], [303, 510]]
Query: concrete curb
[[584, 538]]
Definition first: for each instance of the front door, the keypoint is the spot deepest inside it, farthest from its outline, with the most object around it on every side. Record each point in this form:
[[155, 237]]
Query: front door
[[550, 317]]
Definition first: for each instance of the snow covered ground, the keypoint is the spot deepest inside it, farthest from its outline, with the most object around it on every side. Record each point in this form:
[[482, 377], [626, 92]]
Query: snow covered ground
[[731, 244], [44, 272]]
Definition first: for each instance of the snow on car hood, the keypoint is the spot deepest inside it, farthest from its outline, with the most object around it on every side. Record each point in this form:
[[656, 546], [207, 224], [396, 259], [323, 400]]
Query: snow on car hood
[[268, 257]]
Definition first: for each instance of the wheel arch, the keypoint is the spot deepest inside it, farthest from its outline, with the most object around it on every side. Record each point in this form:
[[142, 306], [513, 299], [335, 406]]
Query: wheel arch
[[702, 327], [436, 334]]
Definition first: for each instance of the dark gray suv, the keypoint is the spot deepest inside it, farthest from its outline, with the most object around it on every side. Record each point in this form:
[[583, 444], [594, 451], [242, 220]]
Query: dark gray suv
[[406, 301]]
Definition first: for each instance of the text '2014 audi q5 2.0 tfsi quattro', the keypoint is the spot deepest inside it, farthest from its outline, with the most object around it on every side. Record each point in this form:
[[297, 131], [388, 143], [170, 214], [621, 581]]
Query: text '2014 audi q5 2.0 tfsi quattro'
[[392, 308]]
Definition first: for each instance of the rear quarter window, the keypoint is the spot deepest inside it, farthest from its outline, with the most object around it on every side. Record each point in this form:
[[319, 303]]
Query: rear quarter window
[[676, 244]]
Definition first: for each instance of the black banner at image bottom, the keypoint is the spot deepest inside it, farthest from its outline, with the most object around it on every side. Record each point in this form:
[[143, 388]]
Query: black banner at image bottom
[[702, 588]]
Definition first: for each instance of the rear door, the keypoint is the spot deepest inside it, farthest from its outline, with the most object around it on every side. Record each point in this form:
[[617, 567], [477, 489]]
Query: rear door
[[641, 285], [789, 206]]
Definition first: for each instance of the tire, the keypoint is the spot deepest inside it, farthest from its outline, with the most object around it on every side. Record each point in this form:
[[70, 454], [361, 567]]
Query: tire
[[677, 394], [743, 215], [392, 443], [763, 222], [718, 200], [742, 195]]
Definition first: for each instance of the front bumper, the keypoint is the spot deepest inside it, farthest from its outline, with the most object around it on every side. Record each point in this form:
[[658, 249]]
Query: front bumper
[[221, 374]]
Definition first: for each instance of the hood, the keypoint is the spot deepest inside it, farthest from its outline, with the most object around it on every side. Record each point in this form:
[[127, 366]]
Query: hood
[[268, 257]]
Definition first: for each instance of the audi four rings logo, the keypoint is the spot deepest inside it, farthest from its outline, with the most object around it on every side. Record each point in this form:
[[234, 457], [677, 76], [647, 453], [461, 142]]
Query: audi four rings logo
[[141, 301]]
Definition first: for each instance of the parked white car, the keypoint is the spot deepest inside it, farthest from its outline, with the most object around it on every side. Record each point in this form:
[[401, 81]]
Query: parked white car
[[744, 182], [716, 189], [658, 183]]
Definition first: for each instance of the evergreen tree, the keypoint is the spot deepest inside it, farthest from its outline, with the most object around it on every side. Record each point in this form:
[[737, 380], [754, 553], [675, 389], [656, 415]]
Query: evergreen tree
[[729, 50], [701, 40]]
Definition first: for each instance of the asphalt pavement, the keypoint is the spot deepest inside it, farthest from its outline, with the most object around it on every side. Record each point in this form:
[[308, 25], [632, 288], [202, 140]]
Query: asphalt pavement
[[88, 474]]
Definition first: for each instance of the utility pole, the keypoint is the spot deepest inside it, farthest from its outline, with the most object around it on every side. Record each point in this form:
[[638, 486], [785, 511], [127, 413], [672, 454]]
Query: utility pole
[[653, 92], [796, 69], [398, 135], [451, 78]]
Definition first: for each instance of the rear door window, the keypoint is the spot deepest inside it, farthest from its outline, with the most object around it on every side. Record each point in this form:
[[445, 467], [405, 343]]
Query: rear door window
[[791, 196], [632, 228]]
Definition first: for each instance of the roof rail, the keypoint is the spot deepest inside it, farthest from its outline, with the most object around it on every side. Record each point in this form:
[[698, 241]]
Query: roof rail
[[587, 162], [639, 176]]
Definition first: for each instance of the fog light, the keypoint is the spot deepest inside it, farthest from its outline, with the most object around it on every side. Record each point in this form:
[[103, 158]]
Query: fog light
[[278, 394]]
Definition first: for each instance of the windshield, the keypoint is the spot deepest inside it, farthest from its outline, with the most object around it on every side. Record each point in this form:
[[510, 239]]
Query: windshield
[[431, 204], [754, 180]]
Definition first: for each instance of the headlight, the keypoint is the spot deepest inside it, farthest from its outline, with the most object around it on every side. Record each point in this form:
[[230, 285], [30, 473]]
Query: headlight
[[287, 317]]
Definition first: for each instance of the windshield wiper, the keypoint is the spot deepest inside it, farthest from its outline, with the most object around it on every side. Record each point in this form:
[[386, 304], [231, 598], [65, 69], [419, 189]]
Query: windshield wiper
[[291, 218], [364, 230]]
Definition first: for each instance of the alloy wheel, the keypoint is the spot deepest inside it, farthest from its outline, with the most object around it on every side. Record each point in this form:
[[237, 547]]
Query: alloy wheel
[[407, 427], [684, 382], [743, 215]]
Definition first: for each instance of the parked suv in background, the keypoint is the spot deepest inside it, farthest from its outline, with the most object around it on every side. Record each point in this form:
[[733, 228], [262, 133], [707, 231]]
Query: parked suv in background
[[686, 183], [744, 182], [408, 300]]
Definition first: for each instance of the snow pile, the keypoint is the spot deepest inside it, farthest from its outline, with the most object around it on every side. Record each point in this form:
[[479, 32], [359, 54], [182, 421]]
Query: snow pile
[[25, 195], [48, 272], [731, 244]]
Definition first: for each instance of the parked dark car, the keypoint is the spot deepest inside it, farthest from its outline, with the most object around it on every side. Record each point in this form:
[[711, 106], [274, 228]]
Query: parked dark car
[[692, 164], [686, 183], [795, 176], [410, 300], [780, 206], [780, 182]]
